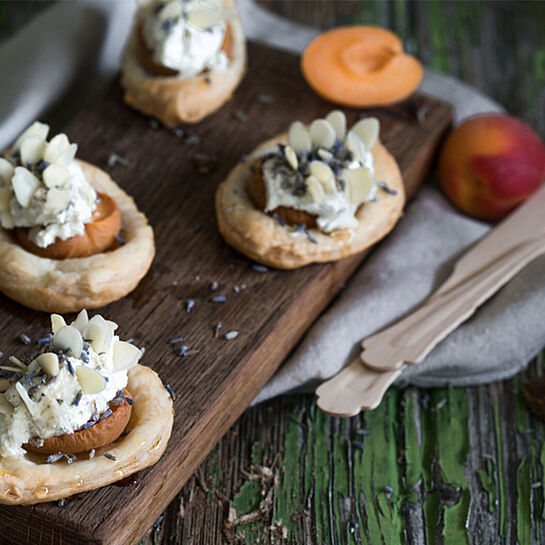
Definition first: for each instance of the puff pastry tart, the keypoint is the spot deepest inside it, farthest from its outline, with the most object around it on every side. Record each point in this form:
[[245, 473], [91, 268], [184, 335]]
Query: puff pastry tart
[[315, 194], [183, 59], [81, 413], [70, 237]]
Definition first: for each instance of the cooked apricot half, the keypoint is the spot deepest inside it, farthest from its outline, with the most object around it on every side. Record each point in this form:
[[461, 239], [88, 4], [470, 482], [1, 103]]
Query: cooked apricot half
[[360, 66], [99, 234], [98, 435]]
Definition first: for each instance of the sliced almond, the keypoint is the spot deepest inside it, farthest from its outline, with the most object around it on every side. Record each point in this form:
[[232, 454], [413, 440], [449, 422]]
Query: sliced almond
[[170, 10], [204, 18], [360, 184], [41, 130], [6, 220], [56, 147], [57, 322], [291, 157], [49, 362], [90, 381], [5, 197], [299, 137], [112, 326], [57, 200], [69, 339], [367, 129], [315, 189], [324, 174], [337, 119], [55, 175], [98, 334], [6, 170], [354, 144], [32, 149], [67, 156], [81, 321], [322, 133], [24, 185], [125, 355], [23, 394]]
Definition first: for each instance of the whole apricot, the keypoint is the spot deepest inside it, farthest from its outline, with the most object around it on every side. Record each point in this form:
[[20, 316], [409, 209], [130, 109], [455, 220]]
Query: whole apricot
[[490, 163]]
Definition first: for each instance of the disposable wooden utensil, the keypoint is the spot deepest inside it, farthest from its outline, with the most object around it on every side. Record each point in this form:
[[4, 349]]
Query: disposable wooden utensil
[[491, 263]]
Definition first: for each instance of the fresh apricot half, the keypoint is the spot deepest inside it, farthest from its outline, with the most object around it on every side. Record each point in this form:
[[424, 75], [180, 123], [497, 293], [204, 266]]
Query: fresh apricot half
[[100, 434], [360, 66], [99, 234]]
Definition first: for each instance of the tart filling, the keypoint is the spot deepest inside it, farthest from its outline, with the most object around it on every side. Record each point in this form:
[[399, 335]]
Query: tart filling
[[184, 38], [49, 203], [75, 382], [324, 173]]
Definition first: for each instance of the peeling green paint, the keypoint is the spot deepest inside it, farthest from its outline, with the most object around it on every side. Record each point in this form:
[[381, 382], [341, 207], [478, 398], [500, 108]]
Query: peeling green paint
[[501, 470], [488, 482], [524, 506]]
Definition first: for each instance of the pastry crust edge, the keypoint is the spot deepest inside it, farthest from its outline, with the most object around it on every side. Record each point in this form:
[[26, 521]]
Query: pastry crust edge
[[70, 285], [175, 100], [263, 239], [29, 480]]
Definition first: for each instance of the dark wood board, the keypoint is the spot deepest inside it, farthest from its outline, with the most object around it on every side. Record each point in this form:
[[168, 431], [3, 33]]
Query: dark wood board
[[214, 386]]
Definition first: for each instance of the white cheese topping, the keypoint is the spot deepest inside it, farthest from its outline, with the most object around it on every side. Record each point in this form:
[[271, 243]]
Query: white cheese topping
[[60, 391], [323, 172], [185, 36], [44, 189]]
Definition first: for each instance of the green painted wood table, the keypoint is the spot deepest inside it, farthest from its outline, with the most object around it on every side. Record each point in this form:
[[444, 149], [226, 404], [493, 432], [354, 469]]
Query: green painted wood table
[[453, 466]]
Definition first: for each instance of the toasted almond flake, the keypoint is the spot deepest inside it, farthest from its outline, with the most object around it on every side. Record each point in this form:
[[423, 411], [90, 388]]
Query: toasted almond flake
[[337, 119], [49, 362], [354, 143], [291, 157], [98, 334], [56, 146], [57, 200], [90, 381], [24, 185], [125, 355], [6, 220], [16, 361], [81, 321], [6, 170], [324, 174], [32, 149], [5, 198], [55, 175], [322, 133], [38, 129], [299, 137], [360, 184], [204, 18], [69, 337], [112, 326], [57, 322], [367, 129], [315, 189], [67, 156]]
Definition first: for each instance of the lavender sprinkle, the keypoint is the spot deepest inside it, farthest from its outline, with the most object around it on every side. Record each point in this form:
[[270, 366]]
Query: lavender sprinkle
[[259, 268], [70, 367], [52, 458], [116, 159], [92, 454], [25, 339], [119, 239], [279, 220], [230, 335], [387, 189], [190, 303], [214, 286], [110, 456], [176, 340], [219, 299], [170, 392], [44, 340], [183, 350], [217, 329], [106, 414]]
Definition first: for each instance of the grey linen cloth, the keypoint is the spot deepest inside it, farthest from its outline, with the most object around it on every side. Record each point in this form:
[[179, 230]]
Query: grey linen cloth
[[67, 52]]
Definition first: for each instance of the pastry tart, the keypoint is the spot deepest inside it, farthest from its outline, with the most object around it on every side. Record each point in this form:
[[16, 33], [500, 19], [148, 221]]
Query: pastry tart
[[68, 423], [70, 237], [183, 59], [313, 195]]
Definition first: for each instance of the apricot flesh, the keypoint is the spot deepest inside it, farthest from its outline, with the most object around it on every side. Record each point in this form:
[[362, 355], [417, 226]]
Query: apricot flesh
[[360, 66], [490, 164], [98, 435]]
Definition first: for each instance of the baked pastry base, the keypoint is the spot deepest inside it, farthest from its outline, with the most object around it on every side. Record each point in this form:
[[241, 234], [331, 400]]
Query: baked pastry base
[[30, 480], [70, 285], [175, 100], [262, 238]]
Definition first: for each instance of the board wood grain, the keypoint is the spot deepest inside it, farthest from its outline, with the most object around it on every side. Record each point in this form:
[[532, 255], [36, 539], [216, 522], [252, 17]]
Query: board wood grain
[[271, 310]]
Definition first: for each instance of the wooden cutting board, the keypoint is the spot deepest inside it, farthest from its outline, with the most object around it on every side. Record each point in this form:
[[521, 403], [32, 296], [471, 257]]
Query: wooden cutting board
[[270, 310]]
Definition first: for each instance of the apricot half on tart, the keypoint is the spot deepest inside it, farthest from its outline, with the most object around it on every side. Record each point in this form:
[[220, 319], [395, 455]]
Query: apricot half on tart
[[183, 59], [360, 66], [315, 194], [79, 414], [70, 237]]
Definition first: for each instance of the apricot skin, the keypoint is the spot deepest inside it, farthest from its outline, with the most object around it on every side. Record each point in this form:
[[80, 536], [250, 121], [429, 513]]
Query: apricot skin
[[490, 164]]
